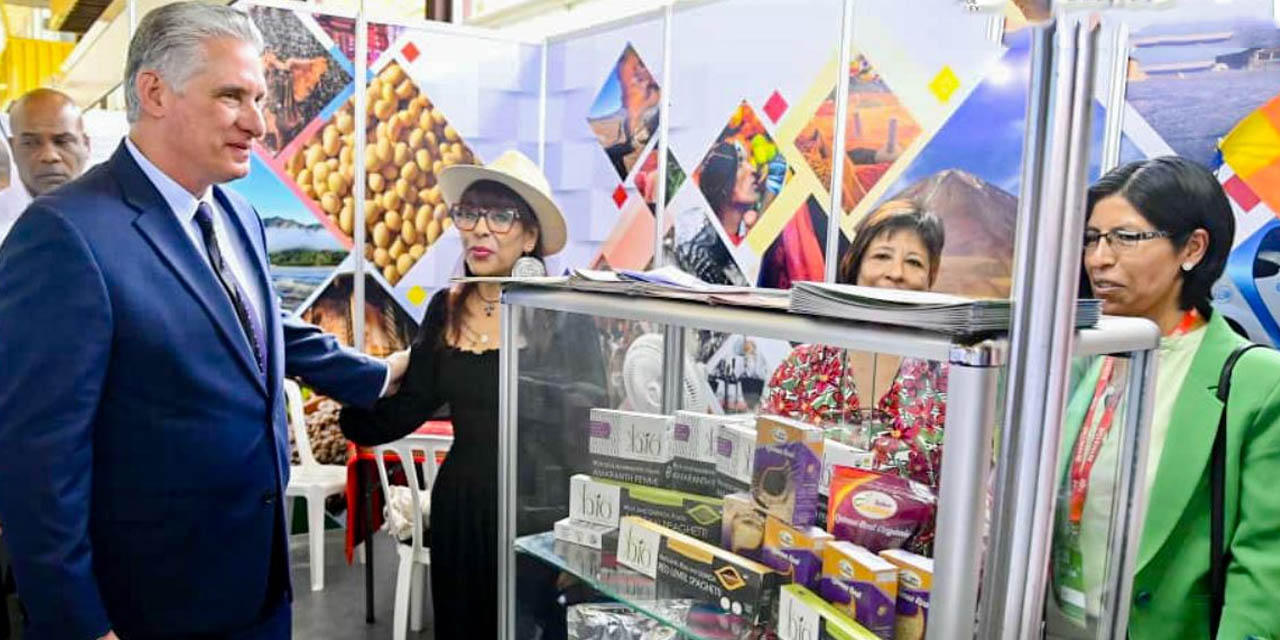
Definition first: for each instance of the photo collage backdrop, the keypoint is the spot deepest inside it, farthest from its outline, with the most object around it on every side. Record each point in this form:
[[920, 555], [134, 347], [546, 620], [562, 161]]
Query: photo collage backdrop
[[1203, 82]]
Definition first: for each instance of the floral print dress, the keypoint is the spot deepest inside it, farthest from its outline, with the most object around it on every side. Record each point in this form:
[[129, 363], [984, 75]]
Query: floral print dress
[[815, 384]]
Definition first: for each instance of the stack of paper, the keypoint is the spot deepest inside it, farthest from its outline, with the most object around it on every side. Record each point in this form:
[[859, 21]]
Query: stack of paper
[[953, 315]]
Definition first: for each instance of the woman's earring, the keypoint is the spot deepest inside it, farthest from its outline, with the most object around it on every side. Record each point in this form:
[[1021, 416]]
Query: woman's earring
[[1188, 266]]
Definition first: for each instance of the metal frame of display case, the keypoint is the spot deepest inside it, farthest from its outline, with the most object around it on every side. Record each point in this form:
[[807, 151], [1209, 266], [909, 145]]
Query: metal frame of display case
[[968, 433]]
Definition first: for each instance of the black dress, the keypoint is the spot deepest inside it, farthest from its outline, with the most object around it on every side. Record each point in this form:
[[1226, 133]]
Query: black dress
[[464, 499]]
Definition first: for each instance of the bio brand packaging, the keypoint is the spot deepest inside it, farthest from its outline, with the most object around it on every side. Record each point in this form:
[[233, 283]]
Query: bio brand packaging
[[879, 510], [630, 447], [684, 567], [587, 534], [838, 454], [735, 453], [802, 615], [795, 552], [604, 502], [787, 467], [861, 584], [693, 453], [915, 582], [742, 526]]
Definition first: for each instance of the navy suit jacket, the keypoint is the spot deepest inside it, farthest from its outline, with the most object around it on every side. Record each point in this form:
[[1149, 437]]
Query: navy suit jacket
[[144, 456]]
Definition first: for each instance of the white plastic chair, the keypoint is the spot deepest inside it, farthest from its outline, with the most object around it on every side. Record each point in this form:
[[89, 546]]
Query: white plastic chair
[[419, 458], [312, 481]]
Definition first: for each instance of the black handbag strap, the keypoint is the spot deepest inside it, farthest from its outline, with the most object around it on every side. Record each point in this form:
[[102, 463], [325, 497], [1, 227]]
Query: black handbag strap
[[1219, 555]]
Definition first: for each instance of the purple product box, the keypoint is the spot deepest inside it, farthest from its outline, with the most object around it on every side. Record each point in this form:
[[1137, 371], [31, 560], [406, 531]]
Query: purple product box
[[861, 584], [787, 469], [795, 552]]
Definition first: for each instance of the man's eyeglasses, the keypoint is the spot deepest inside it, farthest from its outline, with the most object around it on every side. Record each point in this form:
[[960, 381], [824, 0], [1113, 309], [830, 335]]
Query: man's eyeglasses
[[498, 219], [1121, 239]]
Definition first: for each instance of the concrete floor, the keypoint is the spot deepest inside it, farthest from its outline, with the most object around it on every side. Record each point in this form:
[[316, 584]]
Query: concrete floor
[[337, 612]]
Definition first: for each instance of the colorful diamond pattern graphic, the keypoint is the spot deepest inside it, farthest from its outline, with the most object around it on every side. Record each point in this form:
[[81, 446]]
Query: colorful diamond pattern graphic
[[878, 128], [410, 52], [775, 106], [410, 142], [741, 174], [1241, 193], [619, 196], [944, 84], [624, 115]]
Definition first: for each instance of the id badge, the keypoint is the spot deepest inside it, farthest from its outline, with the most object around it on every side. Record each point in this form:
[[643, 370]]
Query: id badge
[[1068, 569]]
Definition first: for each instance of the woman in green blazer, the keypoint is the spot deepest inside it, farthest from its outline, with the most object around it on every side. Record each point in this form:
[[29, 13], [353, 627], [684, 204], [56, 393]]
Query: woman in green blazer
[[1158, 235]]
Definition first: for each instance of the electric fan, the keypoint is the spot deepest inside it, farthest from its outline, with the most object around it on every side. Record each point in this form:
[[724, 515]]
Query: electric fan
[[642, 378]]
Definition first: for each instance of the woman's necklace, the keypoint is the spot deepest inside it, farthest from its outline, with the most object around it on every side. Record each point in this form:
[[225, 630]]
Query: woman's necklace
[[489, 305], [475, 337]]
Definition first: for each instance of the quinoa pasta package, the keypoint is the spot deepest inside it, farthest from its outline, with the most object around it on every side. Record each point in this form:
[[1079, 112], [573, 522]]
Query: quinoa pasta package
[[881, 511]]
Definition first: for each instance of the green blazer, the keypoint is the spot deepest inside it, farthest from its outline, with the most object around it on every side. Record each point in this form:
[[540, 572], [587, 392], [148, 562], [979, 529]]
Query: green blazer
[[1170, 587]]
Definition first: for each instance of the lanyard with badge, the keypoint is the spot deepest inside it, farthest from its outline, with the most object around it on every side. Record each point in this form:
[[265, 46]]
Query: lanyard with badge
[[1068, 556], [1068, 553]]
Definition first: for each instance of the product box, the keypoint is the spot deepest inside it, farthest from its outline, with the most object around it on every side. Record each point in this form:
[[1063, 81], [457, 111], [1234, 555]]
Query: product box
[[795, 552], [742, 526], [787, 467], [861, 584], [684, 567], [915, 583], [735, 453], [630, 447], [838, 454], [693, 453], [604, 502], [802, 615], [587, 534]]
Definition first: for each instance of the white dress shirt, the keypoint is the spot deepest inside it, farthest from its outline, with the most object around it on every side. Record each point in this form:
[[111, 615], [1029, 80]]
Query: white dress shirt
[[237, 256]]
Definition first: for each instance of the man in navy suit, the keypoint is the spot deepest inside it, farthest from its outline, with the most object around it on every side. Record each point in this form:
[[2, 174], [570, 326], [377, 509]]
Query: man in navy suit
[[142, 350]]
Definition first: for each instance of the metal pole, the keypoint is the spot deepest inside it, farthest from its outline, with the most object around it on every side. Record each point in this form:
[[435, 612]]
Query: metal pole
[[966, 461], [836, 218], [1129, 506], [673, 348], [1062, 337], [1018, 447], [1118, 73], [508, 434], [664, 132], [542, 106], [360, 107]]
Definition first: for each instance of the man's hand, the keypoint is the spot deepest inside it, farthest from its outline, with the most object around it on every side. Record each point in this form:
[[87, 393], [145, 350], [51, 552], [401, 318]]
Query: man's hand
[[398, 363]]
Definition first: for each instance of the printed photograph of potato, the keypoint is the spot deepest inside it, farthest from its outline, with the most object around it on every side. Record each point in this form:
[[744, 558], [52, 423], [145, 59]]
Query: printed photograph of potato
[[409, 142], [302, 76]]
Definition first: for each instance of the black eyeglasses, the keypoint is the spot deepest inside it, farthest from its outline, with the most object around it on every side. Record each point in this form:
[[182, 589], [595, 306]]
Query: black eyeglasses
[[498, 219], [1121, 239]]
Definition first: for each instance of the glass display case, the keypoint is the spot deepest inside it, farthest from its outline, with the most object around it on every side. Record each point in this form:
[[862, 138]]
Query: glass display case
[[558, 538]]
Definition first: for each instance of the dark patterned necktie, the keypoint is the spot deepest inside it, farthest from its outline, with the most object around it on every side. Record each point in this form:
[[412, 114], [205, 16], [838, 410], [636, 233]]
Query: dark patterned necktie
[[248, 321]]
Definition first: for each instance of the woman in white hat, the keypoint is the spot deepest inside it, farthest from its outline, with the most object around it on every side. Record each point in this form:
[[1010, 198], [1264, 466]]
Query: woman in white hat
[[503, 212]]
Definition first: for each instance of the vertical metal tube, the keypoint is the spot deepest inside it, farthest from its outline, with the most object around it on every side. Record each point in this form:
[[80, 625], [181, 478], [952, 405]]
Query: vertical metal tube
[[542, 105], [1061, 299], [1129, 505], [1118, 74], [664, 132], [508, 434], [359, 86], [966, 458], [673, 347], [1019, 446], [836, 218]]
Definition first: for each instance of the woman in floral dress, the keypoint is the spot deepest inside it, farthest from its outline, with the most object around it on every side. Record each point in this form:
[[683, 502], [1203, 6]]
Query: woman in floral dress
[[898, 246]]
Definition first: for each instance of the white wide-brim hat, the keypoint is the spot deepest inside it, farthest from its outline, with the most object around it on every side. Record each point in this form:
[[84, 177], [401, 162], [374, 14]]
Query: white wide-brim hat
[[516, 171]]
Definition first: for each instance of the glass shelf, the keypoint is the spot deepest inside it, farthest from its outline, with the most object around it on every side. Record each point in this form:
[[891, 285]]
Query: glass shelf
[[598, 570]]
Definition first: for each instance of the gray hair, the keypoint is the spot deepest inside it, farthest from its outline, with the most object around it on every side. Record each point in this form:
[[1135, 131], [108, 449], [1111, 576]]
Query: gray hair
[[170, 41]]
